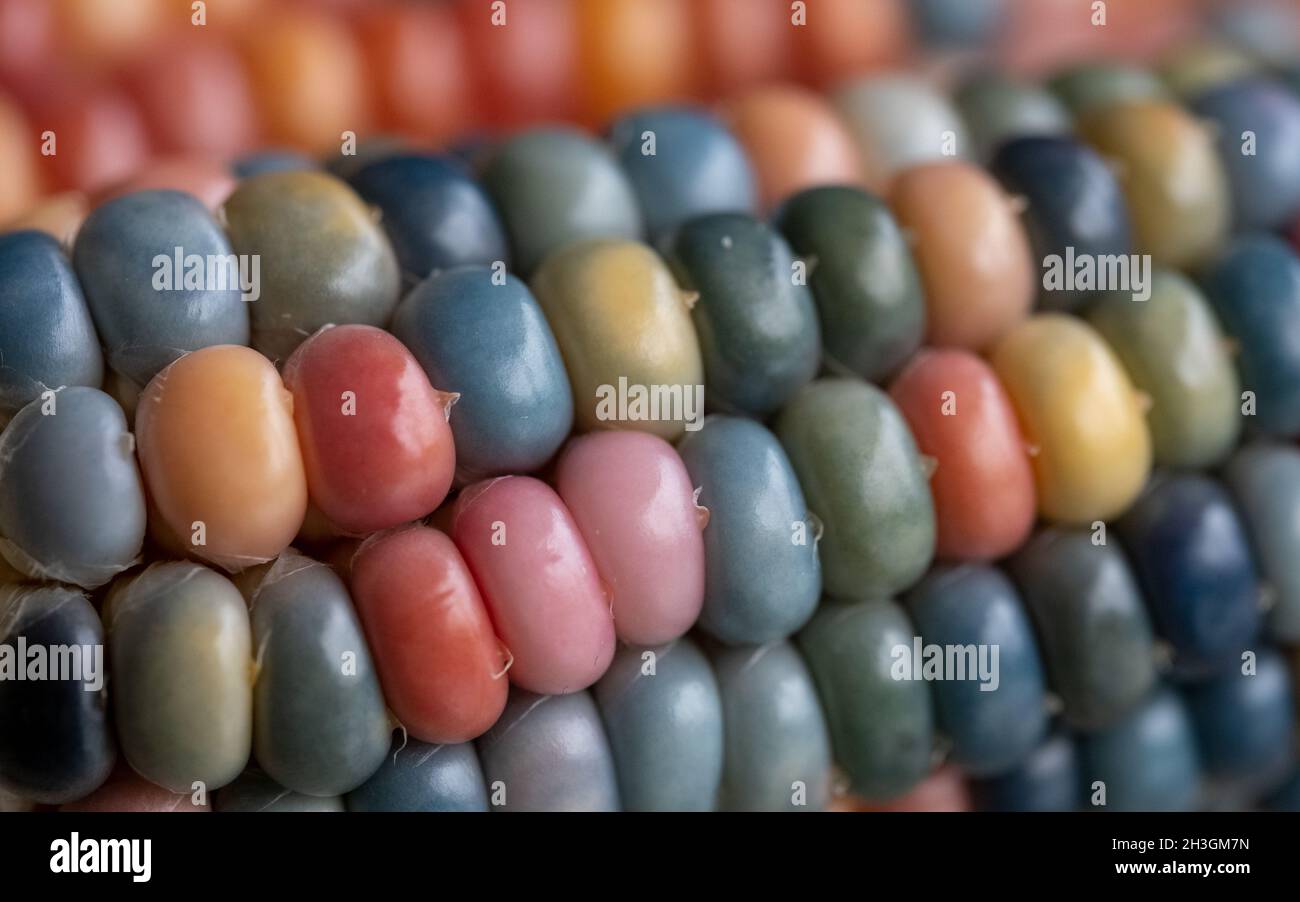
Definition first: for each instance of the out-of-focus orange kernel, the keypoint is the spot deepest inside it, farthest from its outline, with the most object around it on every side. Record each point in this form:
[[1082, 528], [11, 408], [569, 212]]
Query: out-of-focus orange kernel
[[18, 186], [842, 38], [633, 53], [794, 140], [59, 215], [417, 65], [309, 78], [108, 30], [742, 43]]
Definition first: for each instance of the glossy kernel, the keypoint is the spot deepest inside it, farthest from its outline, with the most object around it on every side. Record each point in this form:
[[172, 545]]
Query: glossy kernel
[[1148, 761], [323, 259], [634, 504], [1047, 780], [1074, 209], [682, 163], [862, 476], [992, 729], [1174, 351], [418, 776], [776, 738], [663, 717], [539, 582], [72, 506], [47, 339], [489, 342], [147, 310], [1245, 722], [757, 326], [551, 754], [760, 584], [620, 320], [972, 253], [982, 484], [555, 186], [862, 276], [1190, 551], [1088, 440], [441, 665], [182, 657], [319, 722], [1092, 622], [1171, 176], [1254, 288], [1265, 183], [220, 456], [59, 742], [882, 727], [434, 214], [375, 442]]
